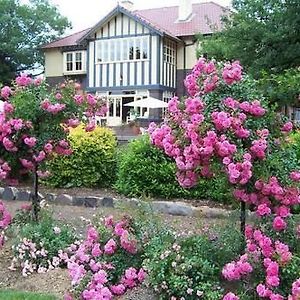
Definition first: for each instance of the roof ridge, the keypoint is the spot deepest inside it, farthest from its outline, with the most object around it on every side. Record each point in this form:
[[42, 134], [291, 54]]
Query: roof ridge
[[172, 6]]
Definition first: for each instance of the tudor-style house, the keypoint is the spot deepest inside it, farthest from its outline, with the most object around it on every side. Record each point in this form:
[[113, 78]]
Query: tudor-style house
[[132, 54]]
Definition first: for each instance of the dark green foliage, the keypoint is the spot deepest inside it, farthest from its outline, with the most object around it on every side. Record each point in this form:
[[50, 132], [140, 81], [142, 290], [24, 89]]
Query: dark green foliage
[[24, 28], [144, 170], [265, 36]]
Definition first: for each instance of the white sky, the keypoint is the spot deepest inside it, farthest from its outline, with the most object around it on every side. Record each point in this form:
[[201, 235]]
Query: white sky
[[86, 13]]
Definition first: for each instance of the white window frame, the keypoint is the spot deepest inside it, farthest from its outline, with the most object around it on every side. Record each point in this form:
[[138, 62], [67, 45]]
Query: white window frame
[[143, 39], [83, 62]]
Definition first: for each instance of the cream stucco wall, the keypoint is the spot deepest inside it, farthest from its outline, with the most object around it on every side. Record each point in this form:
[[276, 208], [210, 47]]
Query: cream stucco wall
[[190, 54], [53, 63]]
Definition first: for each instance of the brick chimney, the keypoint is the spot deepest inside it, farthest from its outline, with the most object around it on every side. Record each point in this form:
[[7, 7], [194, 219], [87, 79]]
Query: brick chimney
[[185, 10], [127, 4]]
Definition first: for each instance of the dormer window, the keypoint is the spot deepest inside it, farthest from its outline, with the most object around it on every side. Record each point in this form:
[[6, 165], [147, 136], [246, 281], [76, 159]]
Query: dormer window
[[74, 62]]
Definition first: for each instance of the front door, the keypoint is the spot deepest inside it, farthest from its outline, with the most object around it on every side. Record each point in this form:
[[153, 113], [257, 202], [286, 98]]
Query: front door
[[114, 114], [126, 109]]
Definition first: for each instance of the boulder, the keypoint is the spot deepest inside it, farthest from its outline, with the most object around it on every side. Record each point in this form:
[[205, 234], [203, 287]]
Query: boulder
[[78, 201], [23, 196], [50, 197], [9, 193], [172, 208], [63, 199], [92, 201], [107, 202]]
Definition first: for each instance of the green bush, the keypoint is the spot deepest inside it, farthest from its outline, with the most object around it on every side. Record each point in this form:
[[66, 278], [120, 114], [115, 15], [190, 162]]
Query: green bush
[[38, 246], [191, 267], [92, 163], [144, 170]]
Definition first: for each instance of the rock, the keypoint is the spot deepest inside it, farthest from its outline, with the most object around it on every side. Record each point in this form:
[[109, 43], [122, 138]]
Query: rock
[[92, 201], [40, 196], [23, 196], [107, 202], [1, 192], [210, 212], [78, 201], [172, 208], [133, 202], [64, 199], [50, 197], [9, 193]]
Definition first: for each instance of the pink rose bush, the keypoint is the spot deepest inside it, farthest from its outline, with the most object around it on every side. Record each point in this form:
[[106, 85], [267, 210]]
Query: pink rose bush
[[212, 132], [5, 220], [107, 263], [35, 123]]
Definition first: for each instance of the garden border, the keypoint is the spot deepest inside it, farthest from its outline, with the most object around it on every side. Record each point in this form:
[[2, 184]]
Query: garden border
[[175, 208]]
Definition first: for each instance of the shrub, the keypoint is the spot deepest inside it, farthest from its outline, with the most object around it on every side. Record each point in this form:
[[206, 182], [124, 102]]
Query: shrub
[[107, 262], [144, 170], [92, 163], [191, 267], [39, 247]]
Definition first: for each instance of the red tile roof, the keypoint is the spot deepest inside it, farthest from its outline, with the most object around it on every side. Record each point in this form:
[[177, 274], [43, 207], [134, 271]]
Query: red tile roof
[[205, 15], [69, 40]]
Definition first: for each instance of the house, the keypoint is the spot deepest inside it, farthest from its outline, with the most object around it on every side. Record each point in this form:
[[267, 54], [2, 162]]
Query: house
[[132, 54]]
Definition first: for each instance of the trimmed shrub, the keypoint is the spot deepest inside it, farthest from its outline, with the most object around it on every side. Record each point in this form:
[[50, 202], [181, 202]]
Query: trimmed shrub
[[144, 170], [92, 163]]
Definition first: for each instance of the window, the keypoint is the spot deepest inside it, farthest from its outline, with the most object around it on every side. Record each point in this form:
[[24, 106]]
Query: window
[[69, 62], [124, 49], [78, 61], [131, 49], [74, 61], [169, 52]]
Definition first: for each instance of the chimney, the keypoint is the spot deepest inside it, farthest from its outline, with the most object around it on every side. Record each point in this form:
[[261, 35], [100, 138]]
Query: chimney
[[127, 4], [185, 10]]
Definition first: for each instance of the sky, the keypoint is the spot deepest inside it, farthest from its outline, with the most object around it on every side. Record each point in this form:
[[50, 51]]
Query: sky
[[86, 13]]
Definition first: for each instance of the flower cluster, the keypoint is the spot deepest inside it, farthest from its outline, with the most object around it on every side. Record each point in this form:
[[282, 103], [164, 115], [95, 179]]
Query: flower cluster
[[5, 220], [33, 257], [92, 261]]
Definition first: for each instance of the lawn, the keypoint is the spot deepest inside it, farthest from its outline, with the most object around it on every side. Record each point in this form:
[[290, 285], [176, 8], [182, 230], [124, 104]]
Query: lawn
[[15, 295]]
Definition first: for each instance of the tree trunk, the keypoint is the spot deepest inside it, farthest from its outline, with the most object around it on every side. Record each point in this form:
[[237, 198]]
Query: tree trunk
[[35, 197], [243, 225]]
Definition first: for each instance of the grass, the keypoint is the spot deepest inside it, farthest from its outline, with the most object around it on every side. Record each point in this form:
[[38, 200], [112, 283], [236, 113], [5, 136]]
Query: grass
[[16, 295]]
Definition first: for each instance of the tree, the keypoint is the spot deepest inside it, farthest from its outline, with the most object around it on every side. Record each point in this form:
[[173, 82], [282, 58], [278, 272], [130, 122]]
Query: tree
[[262, 34], [34, 127], [222, 127], [23, 29]]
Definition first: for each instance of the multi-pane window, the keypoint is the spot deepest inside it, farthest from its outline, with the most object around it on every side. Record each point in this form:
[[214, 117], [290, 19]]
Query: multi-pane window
[[69, 61], [169, 52], [124, 49], [74, 61], [78, 61]]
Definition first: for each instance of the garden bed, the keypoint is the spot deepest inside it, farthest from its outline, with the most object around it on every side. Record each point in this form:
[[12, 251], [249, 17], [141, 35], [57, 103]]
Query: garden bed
[[57, 281]]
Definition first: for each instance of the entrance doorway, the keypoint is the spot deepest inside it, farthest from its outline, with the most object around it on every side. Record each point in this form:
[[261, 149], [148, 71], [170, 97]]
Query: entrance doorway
[[126, 109]]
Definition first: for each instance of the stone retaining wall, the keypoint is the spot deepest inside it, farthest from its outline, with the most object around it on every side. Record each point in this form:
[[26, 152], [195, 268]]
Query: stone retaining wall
[[165, 207]]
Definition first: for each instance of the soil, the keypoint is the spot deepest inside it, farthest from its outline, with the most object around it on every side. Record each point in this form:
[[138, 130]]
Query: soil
[[57, 281]]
